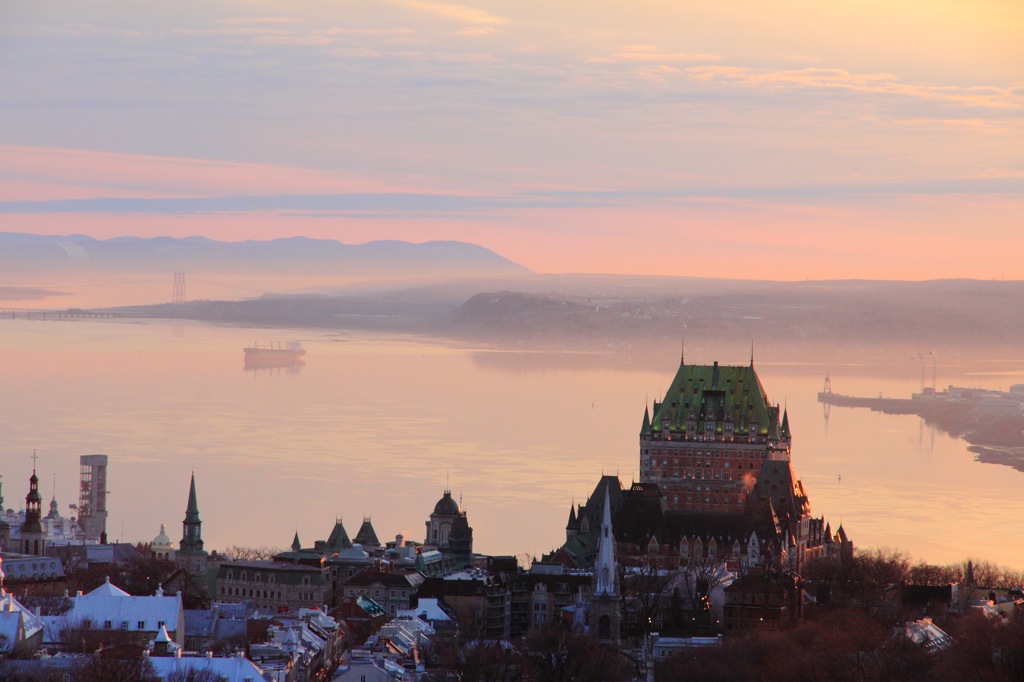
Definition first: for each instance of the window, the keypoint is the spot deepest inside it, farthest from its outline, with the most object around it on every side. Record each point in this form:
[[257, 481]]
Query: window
[[142, 625], [107, 625]]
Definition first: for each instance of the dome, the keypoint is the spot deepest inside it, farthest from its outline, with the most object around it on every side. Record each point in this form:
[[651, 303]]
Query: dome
[[446, 506], [161, 541]]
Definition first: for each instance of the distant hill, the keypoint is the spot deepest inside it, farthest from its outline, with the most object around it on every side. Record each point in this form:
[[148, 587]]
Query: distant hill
[[380, 260], [595, 312], [921, 314]]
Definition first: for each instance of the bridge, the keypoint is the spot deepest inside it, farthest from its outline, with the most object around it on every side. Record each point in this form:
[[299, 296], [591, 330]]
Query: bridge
[[57, 314]]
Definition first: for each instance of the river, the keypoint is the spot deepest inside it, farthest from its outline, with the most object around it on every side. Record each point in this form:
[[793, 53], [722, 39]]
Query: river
[[378, 426]]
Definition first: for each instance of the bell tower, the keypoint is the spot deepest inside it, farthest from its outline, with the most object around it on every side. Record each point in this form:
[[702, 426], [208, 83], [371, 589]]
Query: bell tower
[[191, 556], [33, 539], [605, 604]]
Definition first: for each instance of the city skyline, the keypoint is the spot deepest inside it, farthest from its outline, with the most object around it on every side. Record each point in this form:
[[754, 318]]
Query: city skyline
[[791, 142]]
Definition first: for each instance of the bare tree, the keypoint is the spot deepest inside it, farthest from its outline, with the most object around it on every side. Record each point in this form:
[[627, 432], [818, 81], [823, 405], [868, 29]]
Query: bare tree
[[261, 553], [555, 654], [699, 580], [646, 586], [101, 669], [193, 675]]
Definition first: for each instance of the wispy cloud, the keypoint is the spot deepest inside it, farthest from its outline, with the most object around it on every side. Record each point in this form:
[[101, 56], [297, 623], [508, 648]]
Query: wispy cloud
[[257, 20], [462, 13], [433, 204], [842, 79]]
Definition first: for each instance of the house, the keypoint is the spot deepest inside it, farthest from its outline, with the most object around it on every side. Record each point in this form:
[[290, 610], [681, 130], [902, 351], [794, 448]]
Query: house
[[109, 612], [393, 588]]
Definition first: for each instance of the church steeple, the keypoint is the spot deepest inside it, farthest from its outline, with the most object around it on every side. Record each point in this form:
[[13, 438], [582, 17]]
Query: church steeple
[[192, 512], [604, 566], [191, 556], [605, 604], [33, 540], [296, 545]]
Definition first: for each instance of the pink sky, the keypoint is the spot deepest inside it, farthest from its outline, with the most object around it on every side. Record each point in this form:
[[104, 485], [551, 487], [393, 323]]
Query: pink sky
[[853, 139]]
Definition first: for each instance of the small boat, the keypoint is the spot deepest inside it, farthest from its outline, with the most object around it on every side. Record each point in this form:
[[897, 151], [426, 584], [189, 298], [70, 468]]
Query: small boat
[[280, 355]]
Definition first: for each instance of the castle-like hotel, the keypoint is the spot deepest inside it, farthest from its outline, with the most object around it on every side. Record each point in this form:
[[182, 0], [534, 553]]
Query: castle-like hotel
[[716, 483]]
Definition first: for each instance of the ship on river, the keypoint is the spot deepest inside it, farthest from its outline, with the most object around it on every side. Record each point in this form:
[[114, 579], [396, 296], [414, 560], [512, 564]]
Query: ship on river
[[280, 355]]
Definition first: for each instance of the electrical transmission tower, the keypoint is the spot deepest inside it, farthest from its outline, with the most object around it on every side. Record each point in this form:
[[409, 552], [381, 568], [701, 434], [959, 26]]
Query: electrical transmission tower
[[178, 291]]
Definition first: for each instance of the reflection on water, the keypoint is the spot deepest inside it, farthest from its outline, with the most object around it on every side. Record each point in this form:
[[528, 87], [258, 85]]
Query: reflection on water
[[372, 426]]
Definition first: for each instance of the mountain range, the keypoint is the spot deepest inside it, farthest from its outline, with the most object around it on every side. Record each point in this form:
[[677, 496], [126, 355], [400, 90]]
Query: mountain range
[[377, 260]]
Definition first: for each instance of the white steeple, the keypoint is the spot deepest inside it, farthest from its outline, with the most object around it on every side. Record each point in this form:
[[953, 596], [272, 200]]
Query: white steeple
[[604, 566]]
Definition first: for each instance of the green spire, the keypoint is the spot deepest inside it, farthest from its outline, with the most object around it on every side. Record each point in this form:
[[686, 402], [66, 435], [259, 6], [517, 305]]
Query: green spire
[[192, 537], [785, 424], [192, 512], [296, 545], [645, 430]]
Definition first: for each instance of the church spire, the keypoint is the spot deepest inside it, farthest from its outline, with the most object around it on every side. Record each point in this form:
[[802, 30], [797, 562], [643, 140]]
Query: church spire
[[605, 564], [192, 511], [33, 540], [191, 527], [296, 545]]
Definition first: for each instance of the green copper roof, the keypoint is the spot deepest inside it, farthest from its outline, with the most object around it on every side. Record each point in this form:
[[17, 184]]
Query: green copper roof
[[338, 539], [645, 430], [192, 512], [710, 394], [366, 534]]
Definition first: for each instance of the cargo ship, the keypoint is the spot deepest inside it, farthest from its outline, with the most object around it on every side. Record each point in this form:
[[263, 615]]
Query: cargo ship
[[280, 355]]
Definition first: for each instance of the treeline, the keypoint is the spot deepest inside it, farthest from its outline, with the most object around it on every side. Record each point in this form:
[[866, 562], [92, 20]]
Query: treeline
[[857, 646], [855, 629]]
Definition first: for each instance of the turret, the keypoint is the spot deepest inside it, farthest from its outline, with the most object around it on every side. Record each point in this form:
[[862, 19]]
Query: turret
[[572, 527]]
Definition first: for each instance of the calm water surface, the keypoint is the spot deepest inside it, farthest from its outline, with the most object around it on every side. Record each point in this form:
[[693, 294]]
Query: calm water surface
[[375, 426]]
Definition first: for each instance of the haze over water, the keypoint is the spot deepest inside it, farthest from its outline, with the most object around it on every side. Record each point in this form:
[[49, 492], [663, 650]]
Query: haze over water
[[375, 426]]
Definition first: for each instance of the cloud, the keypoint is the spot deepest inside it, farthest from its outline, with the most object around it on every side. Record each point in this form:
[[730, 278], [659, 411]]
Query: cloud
[[842, 79], [292, 40], [432, 204], [355, 53], [243, 21], [645, 56], [468, 15], [476, 31]]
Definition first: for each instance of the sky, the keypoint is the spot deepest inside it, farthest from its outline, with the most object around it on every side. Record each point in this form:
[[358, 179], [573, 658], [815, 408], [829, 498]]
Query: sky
[[787, 140]]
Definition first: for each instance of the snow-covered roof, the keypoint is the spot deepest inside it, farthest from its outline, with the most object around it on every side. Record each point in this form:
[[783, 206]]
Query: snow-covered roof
[[109, 607], [428, 609], [107, 589], [12, 629], [233, 669], [31, 622]]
